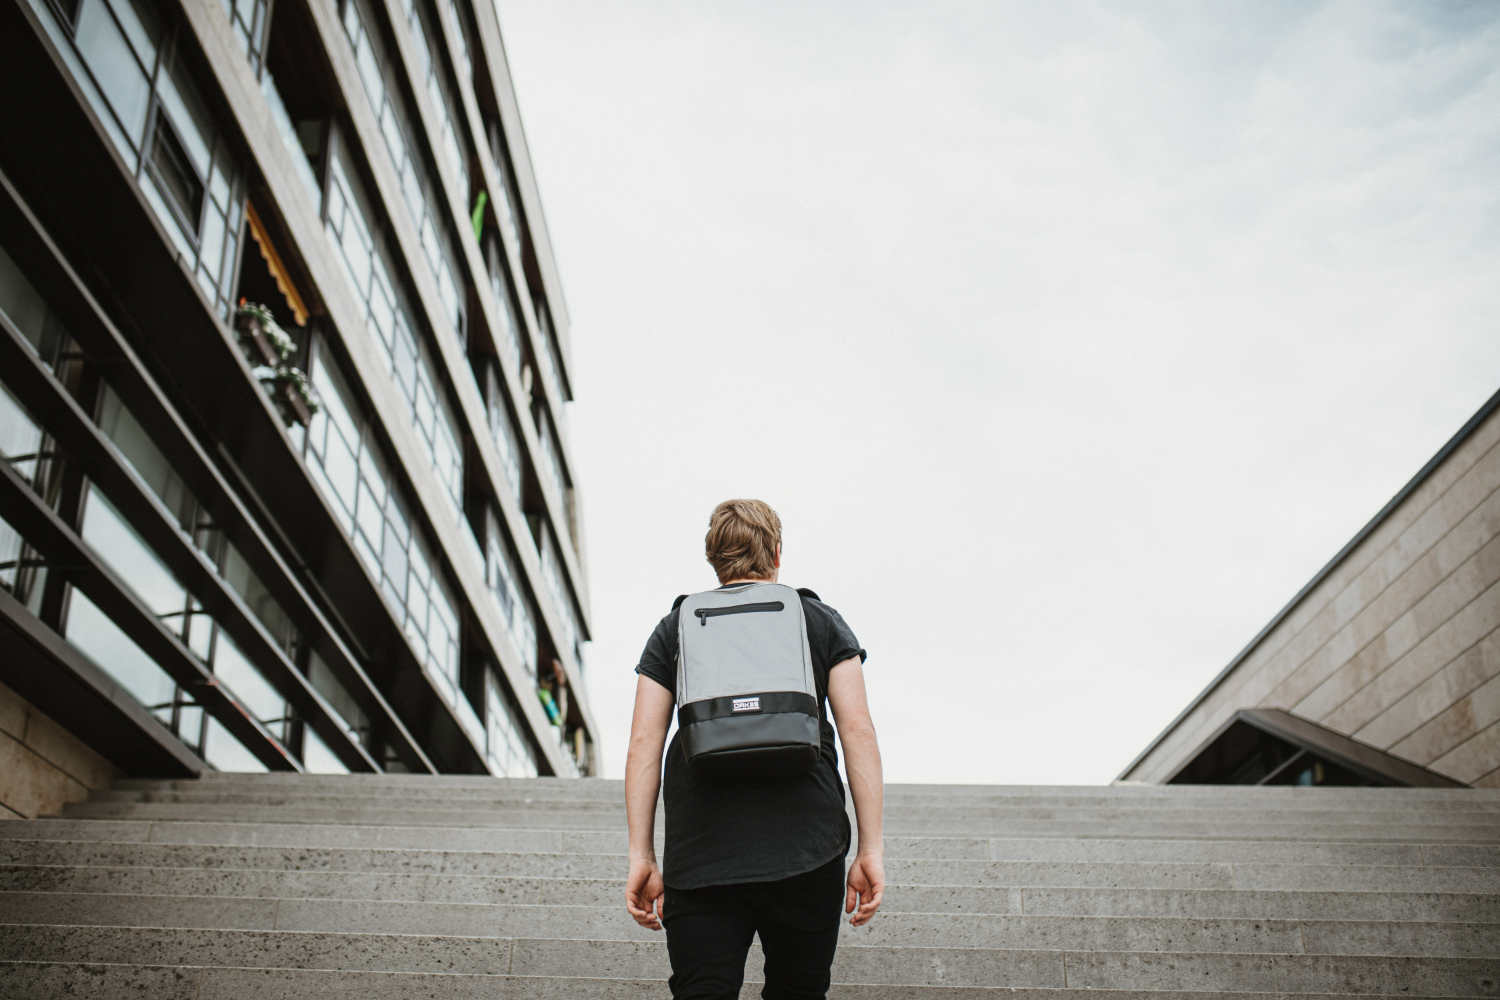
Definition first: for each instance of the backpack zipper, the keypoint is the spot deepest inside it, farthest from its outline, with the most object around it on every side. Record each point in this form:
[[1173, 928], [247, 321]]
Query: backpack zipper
[[704, 614]]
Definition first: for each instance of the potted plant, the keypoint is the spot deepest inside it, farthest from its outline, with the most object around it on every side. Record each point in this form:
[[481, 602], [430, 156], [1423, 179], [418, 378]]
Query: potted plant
[[291, 390], [261, 336]]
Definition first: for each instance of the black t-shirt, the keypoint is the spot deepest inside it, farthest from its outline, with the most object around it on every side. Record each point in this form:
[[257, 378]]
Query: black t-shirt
[[726, 830]]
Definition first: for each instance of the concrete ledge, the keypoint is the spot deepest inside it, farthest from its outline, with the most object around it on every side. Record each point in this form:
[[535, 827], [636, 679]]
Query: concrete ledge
[[108, 982]]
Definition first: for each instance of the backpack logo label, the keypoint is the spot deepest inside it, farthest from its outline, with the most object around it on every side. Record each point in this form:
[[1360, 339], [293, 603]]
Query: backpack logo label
[[745, 705]]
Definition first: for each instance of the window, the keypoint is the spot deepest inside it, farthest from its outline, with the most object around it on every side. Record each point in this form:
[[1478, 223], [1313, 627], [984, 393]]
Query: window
[[120, 547], [456, 23], [505, 204], [408, 358], [356, 720], [24, 306], [504, 580], [117, 41], [155, 116], [181, 183], [226, 753], [250, 21], [428, 68], [503, 430], [343, 458], [507, 750], [317, 758], [416, 184], [510, 333], [98, 637]]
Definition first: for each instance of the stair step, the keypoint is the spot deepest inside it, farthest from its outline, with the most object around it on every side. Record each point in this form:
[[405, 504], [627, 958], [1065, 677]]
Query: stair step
[[896, 929], [606, 892], [874, 965], [613, 789], [297, 886], [614, 842], [1379, 827], [1020, 874], [1018, 805], [45, 981]]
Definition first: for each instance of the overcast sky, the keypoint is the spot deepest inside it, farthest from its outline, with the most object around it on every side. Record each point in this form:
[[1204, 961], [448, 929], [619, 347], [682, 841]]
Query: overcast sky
[[1068, 339]]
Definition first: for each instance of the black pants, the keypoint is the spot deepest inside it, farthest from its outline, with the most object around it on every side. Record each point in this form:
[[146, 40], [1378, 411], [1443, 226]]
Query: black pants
[[709, 932]]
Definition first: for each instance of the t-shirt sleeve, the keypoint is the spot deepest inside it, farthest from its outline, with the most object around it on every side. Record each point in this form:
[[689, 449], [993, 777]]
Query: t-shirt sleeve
[[659, 658], [834, 638]]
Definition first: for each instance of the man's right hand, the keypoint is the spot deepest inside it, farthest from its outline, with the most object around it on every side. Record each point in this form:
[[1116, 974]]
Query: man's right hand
[[644, 897], [866, 886]]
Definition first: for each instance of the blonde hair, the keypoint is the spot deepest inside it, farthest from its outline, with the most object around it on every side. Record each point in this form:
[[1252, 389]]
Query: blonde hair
[[742, 539]]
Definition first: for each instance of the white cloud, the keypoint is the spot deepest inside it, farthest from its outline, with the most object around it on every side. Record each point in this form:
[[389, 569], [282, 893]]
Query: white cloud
[[1069, 339]]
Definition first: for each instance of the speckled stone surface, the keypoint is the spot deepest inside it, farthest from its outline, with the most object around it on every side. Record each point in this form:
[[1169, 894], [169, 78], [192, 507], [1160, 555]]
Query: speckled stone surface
[[254, 949], [1467, 826], [1288, 973], [1254, 903], [36, 981], [393, 886]]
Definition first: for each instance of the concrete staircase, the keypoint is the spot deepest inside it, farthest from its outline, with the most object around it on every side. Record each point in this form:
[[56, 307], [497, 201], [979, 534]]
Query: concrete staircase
[[392, 886]]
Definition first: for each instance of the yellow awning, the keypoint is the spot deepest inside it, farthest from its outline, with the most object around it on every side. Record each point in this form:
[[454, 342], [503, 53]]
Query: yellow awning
[[273, 262]]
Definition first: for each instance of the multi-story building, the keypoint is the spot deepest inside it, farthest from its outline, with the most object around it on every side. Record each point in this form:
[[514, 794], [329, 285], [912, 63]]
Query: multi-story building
[[284, 372]]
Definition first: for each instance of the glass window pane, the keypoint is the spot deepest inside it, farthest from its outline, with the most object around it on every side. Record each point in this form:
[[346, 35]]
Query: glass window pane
[[394, 554], [19, 435], [317, 758], [22, 303], [339, 464], [367, 553], [368, 511], [141, 26], [321, 676], [369, 72], [200, 635], [226, 753], [213, 241], [191, 122], [218, 184], [248, 685], [169, 218], [122, 549], [331, 391], [257, 597], [92, 631], [114, 65]]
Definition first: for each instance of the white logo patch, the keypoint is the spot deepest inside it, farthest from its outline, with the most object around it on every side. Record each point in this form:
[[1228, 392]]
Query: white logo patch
[[745, 705]]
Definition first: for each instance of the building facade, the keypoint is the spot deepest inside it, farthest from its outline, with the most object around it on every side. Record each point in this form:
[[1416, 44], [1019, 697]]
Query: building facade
[[284, 374], [1385, 668]]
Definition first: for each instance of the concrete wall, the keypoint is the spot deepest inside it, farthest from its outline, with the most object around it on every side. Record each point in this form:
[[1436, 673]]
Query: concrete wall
[[42, 765], [1399, 645]]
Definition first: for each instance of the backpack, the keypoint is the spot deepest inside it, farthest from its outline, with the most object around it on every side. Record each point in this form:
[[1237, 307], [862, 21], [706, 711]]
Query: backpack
[[747, 703]]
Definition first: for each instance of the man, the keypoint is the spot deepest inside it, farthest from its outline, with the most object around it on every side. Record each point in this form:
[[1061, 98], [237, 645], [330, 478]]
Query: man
[[748, 855]]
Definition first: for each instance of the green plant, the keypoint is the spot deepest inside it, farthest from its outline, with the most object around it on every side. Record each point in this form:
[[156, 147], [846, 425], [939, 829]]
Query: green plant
[[292, 378], [296, 379], [280, 340]]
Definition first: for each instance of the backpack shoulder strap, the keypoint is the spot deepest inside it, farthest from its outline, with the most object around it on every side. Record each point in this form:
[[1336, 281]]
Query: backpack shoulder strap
[[806, 592], [678, 603]]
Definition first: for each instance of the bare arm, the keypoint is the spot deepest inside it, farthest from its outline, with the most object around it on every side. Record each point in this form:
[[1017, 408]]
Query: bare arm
[[851, 713], [648, 734]]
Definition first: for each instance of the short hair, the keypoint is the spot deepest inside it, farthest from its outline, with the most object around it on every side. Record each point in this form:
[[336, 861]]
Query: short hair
[[742, 539]]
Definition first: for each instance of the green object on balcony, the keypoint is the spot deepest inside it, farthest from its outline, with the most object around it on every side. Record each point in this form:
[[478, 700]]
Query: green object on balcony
[[553, 715], [478, 216]]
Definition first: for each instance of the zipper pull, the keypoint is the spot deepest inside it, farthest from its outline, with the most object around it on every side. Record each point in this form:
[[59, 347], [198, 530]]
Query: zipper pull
[[702, 618]]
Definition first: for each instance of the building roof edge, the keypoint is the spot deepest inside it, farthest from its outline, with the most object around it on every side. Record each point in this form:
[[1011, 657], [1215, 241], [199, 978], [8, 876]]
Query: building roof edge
[[1489, 407]]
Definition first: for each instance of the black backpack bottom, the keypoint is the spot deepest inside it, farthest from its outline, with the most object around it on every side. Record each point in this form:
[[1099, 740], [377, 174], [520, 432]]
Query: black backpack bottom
[[758, 762]]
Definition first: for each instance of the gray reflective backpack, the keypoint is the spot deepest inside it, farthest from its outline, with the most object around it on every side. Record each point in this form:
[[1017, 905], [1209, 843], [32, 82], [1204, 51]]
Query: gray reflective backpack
[[746, 700]]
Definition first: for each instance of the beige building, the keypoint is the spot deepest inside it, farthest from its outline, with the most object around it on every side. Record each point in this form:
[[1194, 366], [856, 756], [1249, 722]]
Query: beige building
[[1388, 658]]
